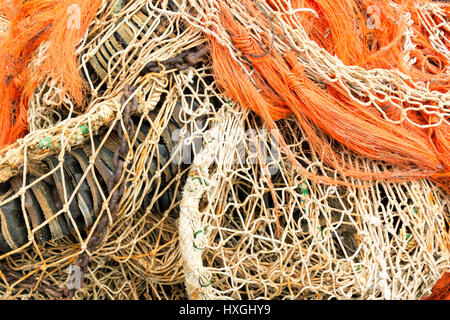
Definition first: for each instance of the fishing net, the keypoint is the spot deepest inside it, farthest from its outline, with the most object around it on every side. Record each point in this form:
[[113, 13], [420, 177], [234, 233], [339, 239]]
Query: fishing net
[[160, 187], [312, 241], [67, 167]]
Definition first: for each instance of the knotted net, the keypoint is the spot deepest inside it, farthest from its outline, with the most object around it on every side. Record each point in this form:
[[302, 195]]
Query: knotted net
[[169, 190]]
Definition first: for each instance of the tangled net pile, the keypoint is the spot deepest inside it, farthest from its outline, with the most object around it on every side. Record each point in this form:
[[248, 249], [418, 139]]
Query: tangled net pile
[[187, 171]]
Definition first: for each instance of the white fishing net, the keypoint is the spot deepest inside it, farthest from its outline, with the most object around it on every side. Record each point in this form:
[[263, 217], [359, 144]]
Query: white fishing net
[[207, 205], [316, 241]]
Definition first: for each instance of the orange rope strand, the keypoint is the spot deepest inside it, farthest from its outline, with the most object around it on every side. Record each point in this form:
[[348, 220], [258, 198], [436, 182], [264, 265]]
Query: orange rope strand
[[60, 23], [278, 86]]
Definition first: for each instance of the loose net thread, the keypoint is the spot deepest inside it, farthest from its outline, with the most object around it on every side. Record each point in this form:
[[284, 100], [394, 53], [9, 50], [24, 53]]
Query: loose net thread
[[434, 19], [250, 250]]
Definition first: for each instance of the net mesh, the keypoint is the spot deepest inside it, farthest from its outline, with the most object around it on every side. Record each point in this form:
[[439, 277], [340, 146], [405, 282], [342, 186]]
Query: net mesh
[[317, 241], [377, 87], [161, 188]]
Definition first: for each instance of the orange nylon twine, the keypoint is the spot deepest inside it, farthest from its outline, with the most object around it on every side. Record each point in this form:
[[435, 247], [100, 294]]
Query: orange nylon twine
[[278, 86]]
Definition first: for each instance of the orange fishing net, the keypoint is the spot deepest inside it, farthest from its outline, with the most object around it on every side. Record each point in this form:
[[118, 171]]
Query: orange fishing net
[[266, 72], [41, 43]]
